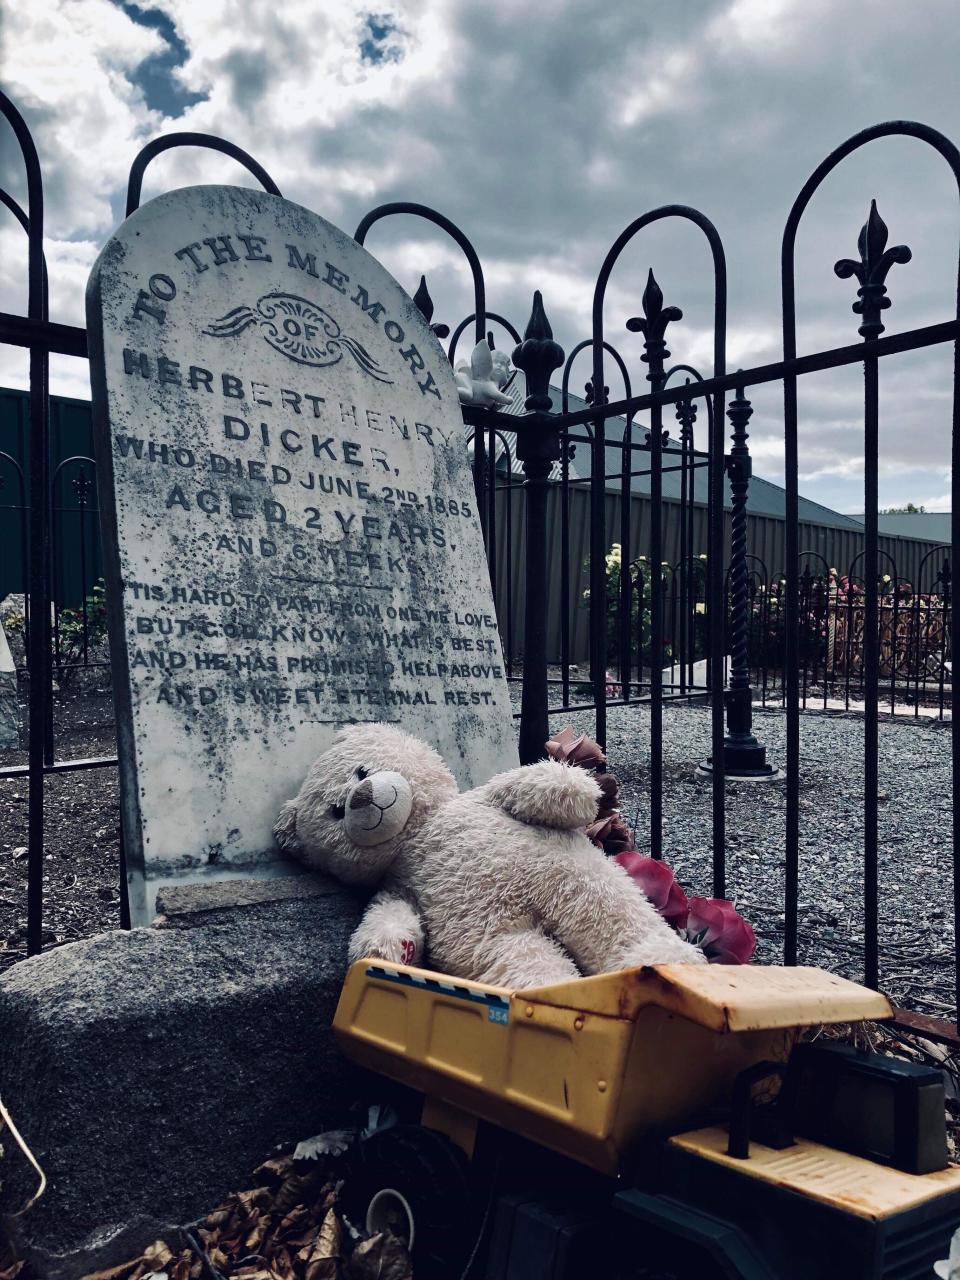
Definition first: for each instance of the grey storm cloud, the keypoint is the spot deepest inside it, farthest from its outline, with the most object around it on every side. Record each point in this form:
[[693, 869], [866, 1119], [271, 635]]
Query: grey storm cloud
[[542, 133]]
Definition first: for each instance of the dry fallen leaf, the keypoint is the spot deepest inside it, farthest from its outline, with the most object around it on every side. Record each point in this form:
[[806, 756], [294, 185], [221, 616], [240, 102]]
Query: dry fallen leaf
[[219, 1216], [112, 1273], [153, 1262], [159, 1255], [258, 1198], [322, 1258], [381, 1257], [253, 1273], [273, 1170], [181, 1268], [218, 1258], [299, 1222], [254, 1238], [296, 1187], [282, 1263], [286, 1228]]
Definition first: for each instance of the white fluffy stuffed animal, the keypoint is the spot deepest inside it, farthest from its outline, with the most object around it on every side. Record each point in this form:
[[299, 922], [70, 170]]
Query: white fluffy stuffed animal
[[500, 882]]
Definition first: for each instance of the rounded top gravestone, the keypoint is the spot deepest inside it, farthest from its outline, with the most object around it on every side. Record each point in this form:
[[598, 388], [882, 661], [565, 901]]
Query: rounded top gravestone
[[290, 528]]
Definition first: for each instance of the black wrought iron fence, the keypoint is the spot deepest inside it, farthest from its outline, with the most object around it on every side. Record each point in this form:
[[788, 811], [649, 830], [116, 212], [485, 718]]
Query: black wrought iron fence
[[915, 651], [79, 652], [658, 627]]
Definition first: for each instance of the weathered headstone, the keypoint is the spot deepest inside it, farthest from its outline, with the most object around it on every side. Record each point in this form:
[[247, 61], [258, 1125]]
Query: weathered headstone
[[289, 522]]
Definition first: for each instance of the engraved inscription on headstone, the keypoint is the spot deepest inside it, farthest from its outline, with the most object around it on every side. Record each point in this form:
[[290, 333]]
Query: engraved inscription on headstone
[[289, 521]]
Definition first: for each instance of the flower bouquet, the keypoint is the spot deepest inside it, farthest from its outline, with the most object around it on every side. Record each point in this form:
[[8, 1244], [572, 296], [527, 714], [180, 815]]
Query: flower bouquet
[[713, 924]]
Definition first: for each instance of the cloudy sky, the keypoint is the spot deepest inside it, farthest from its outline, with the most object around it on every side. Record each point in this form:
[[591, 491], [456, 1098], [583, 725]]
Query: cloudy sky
[[542, 130]]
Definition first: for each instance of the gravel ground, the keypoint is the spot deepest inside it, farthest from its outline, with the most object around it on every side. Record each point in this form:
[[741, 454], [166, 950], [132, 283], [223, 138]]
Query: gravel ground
[[82, 832], [82, 846]]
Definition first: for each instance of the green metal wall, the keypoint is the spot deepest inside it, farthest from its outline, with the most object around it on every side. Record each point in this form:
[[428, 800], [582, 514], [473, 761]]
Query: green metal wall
[[824, 546], [75, 532]]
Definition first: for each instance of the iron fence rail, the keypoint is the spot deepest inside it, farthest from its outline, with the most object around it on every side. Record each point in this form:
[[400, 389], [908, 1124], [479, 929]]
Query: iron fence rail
[[76, 560]]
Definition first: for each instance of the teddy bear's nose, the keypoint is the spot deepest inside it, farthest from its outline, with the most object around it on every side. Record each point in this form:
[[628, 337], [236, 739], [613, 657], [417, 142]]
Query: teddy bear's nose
[[362, 795]]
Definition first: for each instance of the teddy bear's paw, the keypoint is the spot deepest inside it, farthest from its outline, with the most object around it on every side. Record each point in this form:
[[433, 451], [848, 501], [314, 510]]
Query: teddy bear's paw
[[546, 794], [670, 949], [395, 950], [390, 930], [398, 950]]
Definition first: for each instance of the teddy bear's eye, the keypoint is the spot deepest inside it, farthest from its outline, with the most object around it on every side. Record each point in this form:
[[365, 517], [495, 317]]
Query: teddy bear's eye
[[336, 811], [361, 772]]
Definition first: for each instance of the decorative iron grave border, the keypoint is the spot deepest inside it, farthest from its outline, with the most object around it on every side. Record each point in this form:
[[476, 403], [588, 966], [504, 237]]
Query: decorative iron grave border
[[543, 439], [915, 641]]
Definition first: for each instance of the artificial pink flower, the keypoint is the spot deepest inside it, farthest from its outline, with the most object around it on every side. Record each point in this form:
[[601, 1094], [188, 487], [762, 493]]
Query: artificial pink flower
[[714, 925], [657, 882], [572, 748], [612, 835], [609, 785]]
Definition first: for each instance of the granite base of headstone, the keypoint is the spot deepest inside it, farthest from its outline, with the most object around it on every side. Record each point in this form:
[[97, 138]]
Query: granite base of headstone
[[151, 1071]]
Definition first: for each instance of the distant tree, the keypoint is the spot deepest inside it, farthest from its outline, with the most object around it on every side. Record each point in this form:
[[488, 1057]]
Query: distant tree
[[909, 510]]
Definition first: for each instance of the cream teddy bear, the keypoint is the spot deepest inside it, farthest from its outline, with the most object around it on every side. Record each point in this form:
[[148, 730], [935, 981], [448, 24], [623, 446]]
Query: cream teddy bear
[[500, 882]]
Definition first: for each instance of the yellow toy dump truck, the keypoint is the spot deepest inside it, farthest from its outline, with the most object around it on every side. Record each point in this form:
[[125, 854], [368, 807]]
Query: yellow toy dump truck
[[661, 1122]]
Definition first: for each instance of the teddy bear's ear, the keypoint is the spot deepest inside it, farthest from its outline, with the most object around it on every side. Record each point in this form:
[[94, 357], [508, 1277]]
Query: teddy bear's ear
[[285, 828]]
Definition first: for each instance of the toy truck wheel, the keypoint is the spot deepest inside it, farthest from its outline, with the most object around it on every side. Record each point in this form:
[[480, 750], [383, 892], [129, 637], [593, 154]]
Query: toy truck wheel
[[414, 1181]]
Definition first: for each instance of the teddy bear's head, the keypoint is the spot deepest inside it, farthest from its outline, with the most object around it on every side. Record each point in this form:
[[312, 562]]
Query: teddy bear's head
[[370, 787]]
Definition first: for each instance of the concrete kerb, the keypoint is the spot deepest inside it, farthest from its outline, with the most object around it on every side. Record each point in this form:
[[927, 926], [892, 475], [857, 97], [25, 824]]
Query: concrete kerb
[[151, 1071]]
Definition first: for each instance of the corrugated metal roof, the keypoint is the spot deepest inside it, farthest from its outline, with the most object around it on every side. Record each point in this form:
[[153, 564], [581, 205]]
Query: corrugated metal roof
[[926, 526]]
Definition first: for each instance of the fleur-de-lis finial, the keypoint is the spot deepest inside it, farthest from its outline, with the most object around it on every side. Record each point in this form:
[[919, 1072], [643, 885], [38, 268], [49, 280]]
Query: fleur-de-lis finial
[[871, 271], [686, 416], [538, 355], [653, 326], [589, 396], [425, 307]]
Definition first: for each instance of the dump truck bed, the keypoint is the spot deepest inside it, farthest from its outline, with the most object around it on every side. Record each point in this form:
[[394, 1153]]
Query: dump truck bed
[[587, 1067]]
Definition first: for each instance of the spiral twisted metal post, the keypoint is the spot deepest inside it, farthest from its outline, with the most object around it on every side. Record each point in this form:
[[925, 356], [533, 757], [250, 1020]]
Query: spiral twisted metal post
[[686, 417], [743, 755], [739, 467]]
